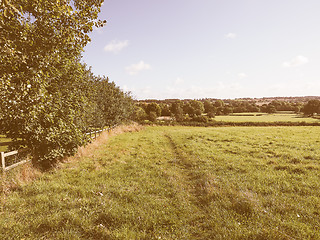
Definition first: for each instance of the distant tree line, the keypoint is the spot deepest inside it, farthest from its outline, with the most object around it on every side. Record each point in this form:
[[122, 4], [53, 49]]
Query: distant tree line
[[206, 110], [49, 99]]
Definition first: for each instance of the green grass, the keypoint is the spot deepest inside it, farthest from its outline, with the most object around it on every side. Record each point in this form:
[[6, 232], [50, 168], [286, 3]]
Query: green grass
[[178, 183], [4, 143], [260, 117]]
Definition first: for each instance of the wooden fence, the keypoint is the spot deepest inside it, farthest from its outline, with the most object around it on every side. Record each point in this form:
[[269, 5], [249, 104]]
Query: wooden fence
[[23, 153], [95, 134]]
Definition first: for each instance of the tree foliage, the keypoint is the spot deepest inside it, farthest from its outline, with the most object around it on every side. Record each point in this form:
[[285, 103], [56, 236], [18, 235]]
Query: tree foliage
[[312, 106], [153, 107], [47, 95], [110, 104]]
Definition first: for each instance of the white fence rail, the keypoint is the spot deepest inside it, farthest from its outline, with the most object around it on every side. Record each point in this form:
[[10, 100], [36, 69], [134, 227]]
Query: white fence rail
[[95, 134], [4, 155]]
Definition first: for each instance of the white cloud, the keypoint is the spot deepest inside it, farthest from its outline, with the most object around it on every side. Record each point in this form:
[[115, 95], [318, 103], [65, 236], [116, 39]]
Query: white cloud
[[178, 81], [116, 46], [226, 90], [295, 88], [242, 75], [193, 92], [136, 68], [296, 62], [143, 93], [231, 35]]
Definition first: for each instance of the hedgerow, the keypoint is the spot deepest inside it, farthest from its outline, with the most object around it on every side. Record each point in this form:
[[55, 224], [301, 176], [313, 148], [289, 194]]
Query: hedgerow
[[49, 99]]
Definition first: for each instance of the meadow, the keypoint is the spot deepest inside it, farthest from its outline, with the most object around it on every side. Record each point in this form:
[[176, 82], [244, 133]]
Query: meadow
[[264, 117], [254, 117], [177, 183]]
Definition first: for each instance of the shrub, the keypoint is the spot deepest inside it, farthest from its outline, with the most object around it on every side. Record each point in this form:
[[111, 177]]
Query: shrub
[[152, 116], [211, 114], [202, 119]]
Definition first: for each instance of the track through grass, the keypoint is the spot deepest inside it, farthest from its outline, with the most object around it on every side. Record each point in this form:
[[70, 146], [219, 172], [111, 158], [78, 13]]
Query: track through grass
[[178, 183]]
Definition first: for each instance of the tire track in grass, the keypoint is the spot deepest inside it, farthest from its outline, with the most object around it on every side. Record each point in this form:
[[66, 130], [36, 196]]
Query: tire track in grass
[[217, 207], [194, 177], [196, 185]]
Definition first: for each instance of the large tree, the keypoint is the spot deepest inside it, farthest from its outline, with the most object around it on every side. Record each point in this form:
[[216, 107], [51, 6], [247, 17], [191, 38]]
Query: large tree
[[177, 110], [197, 107], [312, 106], [42, 83], [153, 107]]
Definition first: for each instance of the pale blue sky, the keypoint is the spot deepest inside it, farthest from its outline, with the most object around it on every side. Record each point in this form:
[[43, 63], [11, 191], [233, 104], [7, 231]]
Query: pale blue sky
[[209, 48]]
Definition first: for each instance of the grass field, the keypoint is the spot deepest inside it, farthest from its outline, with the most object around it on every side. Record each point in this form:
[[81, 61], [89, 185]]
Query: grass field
[[261, 117], [178, 183]]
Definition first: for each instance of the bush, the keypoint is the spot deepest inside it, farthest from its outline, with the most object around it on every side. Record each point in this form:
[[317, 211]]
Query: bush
[[211, 114], [152, 116], [202, 119], [139, 114]]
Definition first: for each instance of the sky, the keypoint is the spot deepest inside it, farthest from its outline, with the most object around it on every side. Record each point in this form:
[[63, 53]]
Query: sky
[[193, 49]]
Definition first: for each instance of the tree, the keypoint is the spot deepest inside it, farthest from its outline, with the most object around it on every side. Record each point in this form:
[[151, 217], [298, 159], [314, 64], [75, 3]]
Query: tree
[[111, 105], [219, 103], [153, 107], [176, 107], [312, 106], [152, 116], [211, 115], [177, 111], [188, 109], [208, 106], [193, 107], [42, 83], [227, 110], [139, 114], [165, 110], [197, 106], [271, 109]]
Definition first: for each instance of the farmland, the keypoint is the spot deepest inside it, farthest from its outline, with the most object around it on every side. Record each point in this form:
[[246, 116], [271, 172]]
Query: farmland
[[264, 117], [254, 117], [177, 183]]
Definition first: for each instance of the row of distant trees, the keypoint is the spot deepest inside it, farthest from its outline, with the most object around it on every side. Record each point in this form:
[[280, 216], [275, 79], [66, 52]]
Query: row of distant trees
[[49, 99], [193, 109]]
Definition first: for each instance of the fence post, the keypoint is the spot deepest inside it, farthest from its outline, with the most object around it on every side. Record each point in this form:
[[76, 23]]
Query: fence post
[[3, 161]]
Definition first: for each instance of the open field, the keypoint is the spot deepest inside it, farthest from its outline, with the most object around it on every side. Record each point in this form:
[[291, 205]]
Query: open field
[[262, 117], [178, 183]]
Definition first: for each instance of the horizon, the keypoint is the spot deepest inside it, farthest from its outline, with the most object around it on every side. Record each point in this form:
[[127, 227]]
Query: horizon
[[226, 50], [241, 98]]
